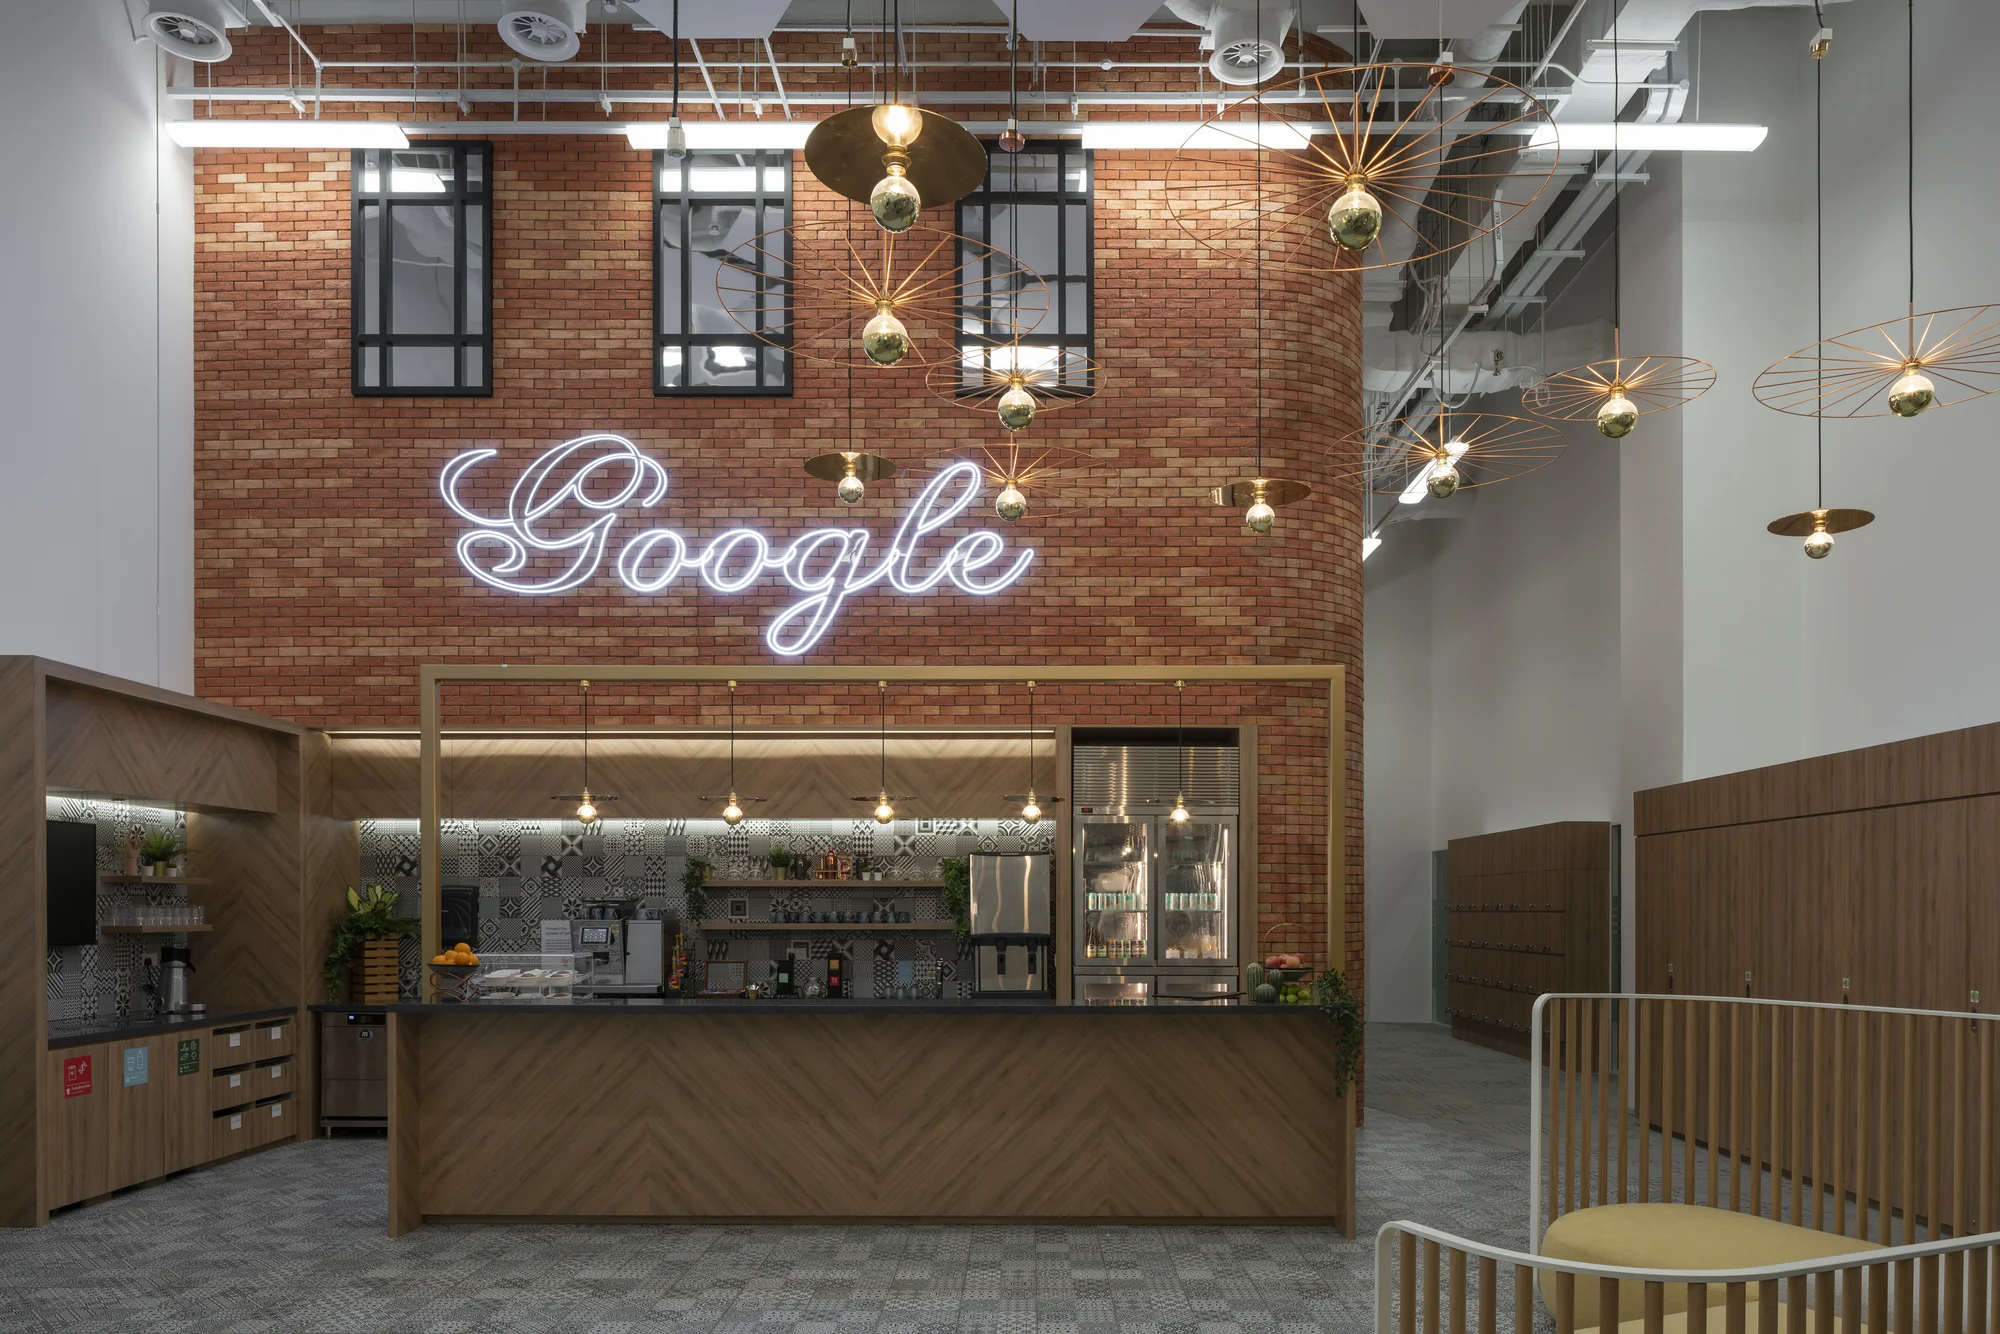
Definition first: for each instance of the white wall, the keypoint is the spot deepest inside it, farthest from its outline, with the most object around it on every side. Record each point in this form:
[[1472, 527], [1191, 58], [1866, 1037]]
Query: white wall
[[1622, 620], [96, 361]]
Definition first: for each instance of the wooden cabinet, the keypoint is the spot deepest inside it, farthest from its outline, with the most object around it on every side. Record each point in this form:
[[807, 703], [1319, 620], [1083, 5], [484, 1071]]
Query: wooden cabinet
[[274, 1077], [136, 1112], [232, 1132], [189, 1118], [232, 1087], [275, 1038], [76, 1115], [274, 1120]]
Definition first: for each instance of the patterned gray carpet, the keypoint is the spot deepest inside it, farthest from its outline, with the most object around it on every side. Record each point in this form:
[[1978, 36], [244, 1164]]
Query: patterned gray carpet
[[293, 1240]]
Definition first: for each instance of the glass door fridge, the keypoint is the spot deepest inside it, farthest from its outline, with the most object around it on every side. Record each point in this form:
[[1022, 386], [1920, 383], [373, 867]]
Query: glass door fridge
[[1113, 893], [1195, 894]]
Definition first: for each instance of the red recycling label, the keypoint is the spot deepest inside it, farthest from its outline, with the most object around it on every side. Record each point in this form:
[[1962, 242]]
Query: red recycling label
[[76, 1076]]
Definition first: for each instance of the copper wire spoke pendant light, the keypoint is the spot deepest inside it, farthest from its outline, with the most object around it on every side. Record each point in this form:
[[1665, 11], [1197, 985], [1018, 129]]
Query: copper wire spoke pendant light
[[1369, 166], [896, 157], [1617, 392], [1260, 496], [586, 805], [732, 813], [1902, 367], [1818, 525], [1031, 809], [885, 804], [1449, 452], [907, 281]]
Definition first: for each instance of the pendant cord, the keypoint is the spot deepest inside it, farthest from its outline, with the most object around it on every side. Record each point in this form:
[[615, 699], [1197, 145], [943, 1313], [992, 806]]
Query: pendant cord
[[1180, 734], [1910, 154], [677, 60], [1617, 216], [1819, 276], [1013, 60], [732, 741], [1257, 253], [586, 737], [883, 686], [1031, 740]]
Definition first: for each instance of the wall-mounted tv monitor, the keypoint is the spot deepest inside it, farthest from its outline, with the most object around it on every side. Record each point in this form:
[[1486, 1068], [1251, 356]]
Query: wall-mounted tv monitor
[[72, 883]]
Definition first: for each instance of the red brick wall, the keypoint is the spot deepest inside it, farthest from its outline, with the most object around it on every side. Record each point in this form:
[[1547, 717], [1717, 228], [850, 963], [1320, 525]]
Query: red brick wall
[[325, 571]]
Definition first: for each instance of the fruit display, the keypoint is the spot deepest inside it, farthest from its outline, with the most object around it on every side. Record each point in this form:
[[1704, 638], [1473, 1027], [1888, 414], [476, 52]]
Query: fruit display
[[458, 956]]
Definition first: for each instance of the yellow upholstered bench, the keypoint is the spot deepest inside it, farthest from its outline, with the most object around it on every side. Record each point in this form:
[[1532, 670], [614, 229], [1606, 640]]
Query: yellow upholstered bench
[[1675, 1236]]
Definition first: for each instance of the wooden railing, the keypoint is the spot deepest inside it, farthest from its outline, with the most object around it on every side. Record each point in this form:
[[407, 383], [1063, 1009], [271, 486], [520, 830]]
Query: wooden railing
[[1440, 1284], [1865, 1122]]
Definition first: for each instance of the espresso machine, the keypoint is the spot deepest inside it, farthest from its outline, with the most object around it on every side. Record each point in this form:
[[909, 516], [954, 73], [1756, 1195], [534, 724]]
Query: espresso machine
[[1011, 933], [619, 956]]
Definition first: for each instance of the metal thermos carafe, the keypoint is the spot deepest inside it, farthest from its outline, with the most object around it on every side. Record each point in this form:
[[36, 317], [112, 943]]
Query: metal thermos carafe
[[176, 962]]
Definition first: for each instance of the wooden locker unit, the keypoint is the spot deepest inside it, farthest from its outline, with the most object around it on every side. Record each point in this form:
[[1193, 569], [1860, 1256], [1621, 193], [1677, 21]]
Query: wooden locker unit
[[1530, 912]]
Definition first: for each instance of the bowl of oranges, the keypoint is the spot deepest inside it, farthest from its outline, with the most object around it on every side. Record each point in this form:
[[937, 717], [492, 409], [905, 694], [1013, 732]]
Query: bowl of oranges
[[452, 972]]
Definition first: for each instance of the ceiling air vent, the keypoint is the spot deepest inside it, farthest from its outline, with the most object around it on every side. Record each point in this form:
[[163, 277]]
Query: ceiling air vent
[[543, 29], [1245, 39], [192, 29]]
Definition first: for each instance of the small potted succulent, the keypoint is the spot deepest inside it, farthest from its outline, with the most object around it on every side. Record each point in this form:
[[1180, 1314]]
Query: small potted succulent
[[157, 852], [780, 858]]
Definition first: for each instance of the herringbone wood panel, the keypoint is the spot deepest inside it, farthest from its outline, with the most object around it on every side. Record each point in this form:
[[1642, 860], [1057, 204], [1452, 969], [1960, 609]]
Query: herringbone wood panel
[[101, 742], [1162, 1116], [23, 1001]]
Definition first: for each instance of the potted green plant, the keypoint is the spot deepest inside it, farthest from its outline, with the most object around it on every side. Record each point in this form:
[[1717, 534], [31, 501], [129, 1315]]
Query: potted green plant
[[158, 850], [694, 882], [956, 873], [780, 858], [370, 930]]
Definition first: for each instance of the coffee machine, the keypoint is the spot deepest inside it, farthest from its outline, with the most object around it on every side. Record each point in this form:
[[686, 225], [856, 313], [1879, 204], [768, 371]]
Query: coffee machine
[[1012, 940], [619, 956], [176, 962]]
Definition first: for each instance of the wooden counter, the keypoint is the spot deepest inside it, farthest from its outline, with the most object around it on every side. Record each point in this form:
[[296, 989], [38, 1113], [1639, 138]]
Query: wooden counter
[[793, 1111]]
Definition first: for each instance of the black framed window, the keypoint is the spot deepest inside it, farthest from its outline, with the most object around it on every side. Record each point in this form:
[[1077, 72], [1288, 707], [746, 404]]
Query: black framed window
[[1036, 206], [705, 206], [422, 260]]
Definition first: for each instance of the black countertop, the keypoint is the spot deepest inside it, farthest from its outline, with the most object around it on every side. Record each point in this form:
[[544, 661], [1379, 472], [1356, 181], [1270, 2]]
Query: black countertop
[[648, 1006], [77, 1032]]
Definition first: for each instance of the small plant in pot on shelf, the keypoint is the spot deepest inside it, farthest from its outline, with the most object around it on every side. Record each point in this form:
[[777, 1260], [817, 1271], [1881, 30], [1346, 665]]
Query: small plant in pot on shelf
[[780, 858], [157, 852], [694, 888], [369, 932]]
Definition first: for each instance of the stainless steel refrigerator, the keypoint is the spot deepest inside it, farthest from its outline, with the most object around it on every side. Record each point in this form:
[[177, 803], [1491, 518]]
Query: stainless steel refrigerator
[[1155, 902], [1013, 939]]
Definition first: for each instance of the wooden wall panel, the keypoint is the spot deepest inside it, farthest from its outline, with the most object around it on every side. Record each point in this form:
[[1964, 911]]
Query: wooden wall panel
[[254, 867], [667, 776], [23, 997], [332, 856], [1530, 913], [1878, 866], [102, 742]]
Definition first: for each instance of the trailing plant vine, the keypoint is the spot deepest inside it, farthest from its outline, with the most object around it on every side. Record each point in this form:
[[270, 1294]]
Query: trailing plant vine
[[694, 880], [956, 873], [1343, 1009]]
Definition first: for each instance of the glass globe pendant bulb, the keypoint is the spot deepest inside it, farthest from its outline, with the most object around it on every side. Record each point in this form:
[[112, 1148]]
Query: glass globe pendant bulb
[[1912, 393], [897, 125], [1819, 543], [894, 201], [850, 488], [1618, 416], [1260, 516], [884, 812], [732, 814], [1443, 481], [1355, 219], [586, 812], [1012, 504], [1017, 406], [884, 338], [1179, 814], [1031, 813]]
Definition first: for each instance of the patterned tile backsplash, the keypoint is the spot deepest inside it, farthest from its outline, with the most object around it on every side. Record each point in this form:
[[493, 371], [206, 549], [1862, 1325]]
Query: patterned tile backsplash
[[109, 979], [530, 870]]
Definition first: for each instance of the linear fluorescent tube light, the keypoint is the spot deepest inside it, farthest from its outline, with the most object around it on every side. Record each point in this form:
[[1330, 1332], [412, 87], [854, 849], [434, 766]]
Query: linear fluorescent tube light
[[1368, 545], [287, 134], [1141, 134], [723, 135], [1594, 138]]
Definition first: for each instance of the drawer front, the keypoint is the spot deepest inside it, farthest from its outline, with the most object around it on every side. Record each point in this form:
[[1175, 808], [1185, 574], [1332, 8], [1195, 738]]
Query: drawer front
[[233, 1087], [271, 1079], [354, 1051], [274, 1121], [231, 1046], [275, 1038], [358, 1098], [234, 1132]]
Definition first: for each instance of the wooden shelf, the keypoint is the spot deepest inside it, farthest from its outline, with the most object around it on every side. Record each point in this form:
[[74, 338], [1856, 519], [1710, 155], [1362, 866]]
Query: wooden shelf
[[879, 886], [829, 928], [123, 930], [153, 879]]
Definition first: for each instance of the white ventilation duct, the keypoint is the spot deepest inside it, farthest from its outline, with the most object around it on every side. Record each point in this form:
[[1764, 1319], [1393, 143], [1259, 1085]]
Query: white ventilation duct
[[193, 29], [546, 30], [1245, 38]]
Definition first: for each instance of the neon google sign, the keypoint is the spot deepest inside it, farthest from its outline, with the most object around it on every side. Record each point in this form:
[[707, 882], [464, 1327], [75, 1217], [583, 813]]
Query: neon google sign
[[826, 565]]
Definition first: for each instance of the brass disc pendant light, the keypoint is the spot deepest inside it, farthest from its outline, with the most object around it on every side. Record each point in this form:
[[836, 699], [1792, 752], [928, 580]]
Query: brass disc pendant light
[[732, 813], [885, 804], [1616, 392], [1260, 497], [1818, 525], [586, 804], [1902, 367], [895, 157], [1031, 809], [1438, 456], [1179, 814]]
